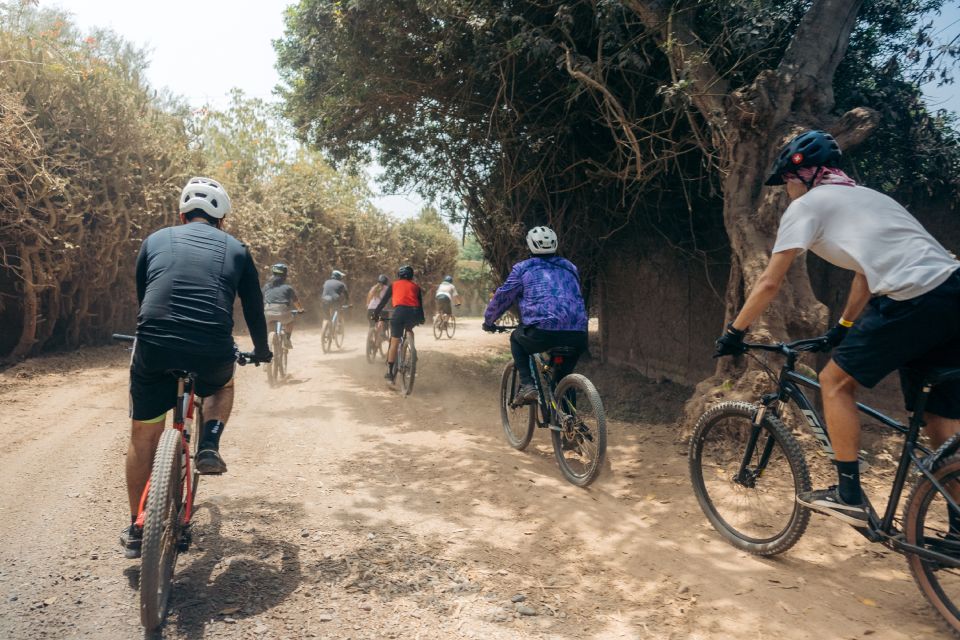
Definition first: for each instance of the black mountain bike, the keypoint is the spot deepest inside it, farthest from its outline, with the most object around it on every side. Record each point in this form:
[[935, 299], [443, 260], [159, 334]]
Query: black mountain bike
[[407, 362], [571, 408], [747, 468], [444, 323], [378, 339]]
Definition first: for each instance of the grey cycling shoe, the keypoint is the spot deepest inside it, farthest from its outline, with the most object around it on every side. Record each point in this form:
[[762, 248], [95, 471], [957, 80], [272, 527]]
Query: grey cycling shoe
[[131, 539], [209, 462]]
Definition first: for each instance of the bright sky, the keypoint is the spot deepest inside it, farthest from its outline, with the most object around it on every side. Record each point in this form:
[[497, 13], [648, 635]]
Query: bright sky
[[200, 49]]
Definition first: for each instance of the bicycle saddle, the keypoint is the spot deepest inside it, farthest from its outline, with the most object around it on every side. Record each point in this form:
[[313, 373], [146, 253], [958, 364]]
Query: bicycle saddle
[[180, 373], [563, 352]]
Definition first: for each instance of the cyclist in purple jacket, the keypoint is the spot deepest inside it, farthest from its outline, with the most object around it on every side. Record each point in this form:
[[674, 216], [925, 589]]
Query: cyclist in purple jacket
[[552, 312]]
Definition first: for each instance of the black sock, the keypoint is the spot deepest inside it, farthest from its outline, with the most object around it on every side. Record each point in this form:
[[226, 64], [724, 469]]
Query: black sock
[[133, 520], [849, 486], [210, 435]]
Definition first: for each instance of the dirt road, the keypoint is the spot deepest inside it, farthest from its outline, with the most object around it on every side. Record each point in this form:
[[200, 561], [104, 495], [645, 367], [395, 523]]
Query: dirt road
[[350, 512]]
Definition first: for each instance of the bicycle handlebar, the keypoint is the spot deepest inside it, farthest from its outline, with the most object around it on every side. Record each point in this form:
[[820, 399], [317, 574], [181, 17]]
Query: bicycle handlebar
[[243, 357], [499, 328], [786, 348]]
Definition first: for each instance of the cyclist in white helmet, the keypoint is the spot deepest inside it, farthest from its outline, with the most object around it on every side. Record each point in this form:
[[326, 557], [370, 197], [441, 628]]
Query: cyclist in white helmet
[[552, 311], [188, 277]]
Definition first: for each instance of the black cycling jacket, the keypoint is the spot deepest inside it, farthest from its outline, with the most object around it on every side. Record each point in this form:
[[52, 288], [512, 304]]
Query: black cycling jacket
[[188, 278], [282, 293]]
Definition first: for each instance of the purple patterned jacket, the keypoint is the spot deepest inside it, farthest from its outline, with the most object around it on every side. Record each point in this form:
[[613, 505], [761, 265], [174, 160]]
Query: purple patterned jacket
[[549, 294]]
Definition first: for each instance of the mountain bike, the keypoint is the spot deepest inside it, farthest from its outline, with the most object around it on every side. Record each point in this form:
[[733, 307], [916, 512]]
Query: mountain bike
[[747, 467], [444, 323], [333, 330], [378, 339], [166, 506], [571, 408], [407, 362], [277, 369]]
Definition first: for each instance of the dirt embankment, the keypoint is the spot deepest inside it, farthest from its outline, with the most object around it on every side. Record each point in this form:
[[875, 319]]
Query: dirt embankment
[[350, 512]]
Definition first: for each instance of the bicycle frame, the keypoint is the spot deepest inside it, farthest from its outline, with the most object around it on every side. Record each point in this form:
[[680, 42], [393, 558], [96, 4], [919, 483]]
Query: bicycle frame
[[183, 410], [548, 403], [789, 389]]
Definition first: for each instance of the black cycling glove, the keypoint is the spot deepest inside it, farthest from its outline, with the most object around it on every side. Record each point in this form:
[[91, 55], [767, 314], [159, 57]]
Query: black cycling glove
[[489, 328], [263, 356], [730, 343], [833, 337]]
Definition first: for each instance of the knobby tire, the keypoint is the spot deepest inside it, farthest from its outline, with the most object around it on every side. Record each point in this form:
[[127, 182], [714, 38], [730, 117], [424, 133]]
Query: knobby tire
[[519, 434], [930, 576], [161, 529], [597, 437], [710, 425]]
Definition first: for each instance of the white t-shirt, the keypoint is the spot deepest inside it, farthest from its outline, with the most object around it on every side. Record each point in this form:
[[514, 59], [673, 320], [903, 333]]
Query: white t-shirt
[[865, 231], [446, 289]]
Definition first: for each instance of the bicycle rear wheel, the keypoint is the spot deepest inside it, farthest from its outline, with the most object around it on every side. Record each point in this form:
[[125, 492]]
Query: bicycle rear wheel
[[281, 358], [408, 365], [326, 338], [338, 332], [517, 421], [161, 529], [451, 326], [927, 524], [438, 326], [273, 365], [581, 443], [747, 477], [373, 344]]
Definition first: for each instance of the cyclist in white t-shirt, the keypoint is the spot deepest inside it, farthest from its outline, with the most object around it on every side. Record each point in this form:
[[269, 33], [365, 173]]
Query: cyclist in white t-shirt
[[447, 295], [910, 282]]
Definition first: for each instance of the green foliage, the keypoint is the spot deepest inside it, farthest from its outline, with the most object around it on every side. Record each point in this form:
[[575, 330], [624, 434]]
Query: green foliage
[[290, 205], [522, 110], [91, 163]]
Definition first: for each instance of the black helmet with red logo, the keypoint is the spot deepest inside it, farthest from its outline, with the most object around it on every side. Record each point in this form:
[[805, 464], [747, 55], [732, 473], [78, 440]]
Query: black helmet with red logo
[[809, 149]]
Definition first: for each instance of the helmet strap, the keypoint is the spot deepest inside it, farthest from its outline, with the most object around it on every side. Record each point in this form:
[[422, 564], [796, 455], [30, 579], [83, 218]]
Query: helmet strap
[[813, 179]]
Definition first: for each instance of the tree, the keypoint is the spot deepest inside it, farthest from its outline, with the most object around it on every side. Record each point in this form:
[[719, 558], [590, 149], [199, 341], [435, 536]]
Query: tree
[[603, 117]]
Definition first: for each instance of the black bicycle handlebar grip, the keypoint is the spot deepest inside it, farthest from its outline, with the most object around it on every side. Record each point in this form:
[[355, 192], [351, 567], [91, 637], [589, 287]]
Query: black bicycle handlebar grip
[[122, 337]]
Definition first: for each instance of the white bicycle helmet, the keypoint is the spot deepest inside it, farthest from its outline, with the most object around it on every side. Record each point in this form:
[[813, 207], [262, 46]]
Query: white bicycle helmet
[[542, 240], [207, 195]]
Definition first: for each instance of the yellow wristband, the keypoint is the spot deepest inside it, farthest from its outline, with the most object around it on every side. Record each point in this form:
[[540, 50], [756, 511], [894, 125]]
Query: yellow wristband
[[845, 323]]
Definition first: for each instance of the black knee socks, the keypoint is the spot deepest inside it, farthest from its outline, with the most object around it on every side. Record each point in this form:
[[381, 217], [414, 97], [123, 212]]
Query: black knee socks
[[210, 436], [849, 485]]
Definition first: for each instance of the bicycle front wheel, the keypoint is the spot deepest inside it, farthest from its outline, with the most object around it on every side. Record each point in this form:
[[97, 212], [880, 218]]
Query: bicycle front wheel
[[272, 366], [927, 524], [161, 529], [747, 477], [373, 345], [580, 444], [338, 334], [451, 326], [408, 366], [326, 338], [517, 420]]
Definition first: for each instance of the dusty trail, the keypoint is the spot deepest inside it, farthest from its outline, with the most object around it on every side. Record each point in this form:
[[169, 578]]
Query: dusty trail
[[350, 512]]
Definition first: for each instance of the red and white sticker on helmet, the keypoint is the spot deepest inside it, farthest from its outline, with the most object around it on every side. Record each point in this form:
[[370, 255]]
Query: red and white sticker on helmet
[[796, 158]]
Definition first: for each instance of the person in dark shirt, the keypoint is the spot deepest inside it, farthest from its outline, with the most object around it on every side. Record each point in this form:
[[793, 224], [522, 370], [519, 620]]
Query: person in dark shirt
[[188, 277], [406, 296], [334, 294], [278, 297]]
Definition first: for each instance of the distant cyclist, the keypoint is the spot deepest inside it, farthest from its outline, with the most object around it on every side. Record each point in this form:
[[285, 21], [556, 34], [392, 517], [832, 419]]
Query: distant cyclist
[[278, 298], [447, 296], [407, 299], [334, 294], [551, 305], [908, 283], [375, 295], [188, 277]]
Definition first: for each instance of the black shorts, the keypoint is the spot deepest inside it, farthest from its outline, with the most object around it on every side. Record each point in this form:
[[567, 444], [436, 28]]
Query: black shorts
[[443, 304], [404, 318], [153, 389], [910, 336]]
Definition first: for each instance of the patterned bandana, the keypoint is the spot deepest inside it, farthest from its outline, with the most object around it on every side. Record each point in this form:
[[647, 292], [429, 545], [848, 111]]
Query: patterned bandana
[[819, 176]]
